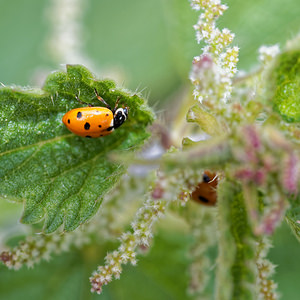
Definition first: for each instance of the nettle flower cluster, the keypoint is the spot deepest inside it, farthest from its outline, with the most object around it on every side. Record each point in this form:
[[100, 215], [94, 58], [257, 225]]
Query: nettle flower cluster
[[266, 161], [213, 70], [65, 41], [166, 189], [41, 247], [266, 286], [267, 53]]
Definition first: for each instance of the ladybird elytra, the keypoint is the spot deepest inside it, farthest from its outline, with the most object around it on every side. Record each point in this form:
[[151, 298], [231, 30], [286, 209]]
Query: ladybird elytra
[[95, 121], [206, 191]]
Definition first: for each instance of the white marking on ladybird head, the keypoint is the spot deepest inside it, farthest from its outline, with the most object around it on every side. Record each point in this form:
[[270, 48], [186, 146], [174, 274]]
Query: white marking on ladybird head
[[122, 112], [120, 116]]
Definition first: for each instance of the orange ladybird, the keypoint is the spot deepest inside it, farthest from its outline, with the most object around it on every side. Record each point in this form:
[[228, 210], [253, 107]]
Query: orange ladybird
[[93, 122], [206, 191]]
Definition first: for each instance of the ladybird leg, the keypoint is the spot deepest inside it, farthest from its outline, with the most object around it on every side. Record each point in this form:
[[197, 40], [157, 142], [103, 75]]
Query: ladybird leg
[[88, 104], [117, 103], [101, 99], [215, 178]]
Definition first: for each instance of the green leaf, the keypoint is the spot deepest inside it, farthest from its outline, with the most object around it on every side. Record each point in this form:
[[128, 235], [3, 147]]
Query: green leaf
[[293, 216], [207, 122], [286, 75], [214, 152], [59, 176]]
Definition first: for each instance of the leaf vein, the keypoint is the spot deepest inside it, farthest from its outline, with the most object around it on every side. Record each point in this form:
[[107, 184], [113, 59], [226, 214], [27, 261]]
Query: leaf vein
[[41, 143]]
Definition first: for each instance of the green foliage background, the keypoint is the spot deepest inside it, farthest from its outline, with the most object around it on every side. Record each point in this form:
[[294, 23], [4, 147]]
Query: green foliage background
[[152, 43]]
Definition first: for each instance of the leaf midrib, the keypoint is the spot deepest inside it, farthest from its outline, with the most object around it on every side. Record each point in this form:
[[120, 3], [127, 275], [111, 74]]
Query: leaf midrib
[[40, 144]]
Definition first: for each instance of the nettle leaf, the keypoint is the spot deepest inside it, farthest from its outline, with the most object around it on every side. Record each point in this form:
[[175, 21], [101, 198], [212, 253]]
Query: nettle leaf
[[286, 74], [59, 176], [293, 216], [207, 122]]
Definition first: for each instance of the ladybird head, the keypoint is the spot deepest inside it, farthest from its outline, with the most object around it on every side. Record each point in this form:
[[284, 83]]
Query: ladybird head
[[120, 116]]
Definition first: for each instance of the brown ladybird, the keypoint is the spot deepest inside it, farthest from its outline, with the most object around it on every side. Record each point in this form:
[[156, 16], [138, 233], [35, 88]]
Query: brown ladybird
[[206, 191]]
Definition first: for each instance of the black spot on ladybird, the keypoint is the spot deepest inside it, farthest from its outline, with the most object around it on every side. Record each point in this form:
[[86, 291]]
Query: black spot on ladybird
[[110, 128], [68, 121], [203, 199], [107, 115], [88, 136], [87, 126], [79, 115], [99, 126]]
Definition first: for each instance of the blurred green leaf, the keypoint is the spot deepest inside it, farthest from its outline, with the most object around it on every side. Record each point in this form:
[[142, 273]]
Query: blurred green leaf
[[187, 142], [293, 216], [286, 76], [214, 152], [207, 122], [59, 176]]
